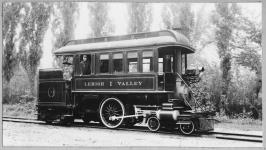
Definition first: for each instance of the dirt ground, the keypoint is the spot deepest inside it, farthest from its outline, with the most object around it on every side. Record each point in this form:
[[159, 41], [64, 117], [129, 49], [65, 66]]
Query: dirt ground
[[23, 134]]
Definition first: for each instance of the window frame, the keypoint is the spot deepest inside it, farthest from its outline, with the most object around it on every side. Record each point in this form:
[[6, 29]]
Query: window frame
[[99, 64], [91, 63], [138, 62], [112, 63], [183, 63], [153, 60]]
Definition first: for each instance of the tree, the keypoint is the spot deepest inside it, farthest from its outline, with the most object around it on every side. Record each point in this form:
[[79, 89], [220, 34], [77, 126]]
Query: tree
[[34, 25], [225, 20], [99, 22], [248, 40], [64, 23], [11, 18], [186, 20], [140, 17], [170, 15], [178, 16]]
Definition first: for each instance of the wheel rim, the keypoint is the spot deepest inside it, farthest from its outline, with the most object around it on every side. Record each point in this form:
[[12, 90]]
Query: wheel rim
[[187, 128], [109, 108], [153, 124]]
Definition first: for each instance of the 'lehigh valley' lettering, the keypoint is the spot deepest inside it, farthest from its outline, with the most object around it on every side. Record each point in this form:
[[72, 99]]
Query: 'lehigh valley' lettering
[[113, 84], [93, 83], [129, 83]]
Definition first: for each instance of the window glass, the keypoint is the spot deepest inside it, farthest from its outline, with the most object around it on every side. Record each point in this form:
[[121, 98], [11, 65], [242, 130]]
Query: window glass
[[104, 63], [118, 62], [160, 64], [132, 59], [147, 61], [147, 54], [183, 63], [168, 63]]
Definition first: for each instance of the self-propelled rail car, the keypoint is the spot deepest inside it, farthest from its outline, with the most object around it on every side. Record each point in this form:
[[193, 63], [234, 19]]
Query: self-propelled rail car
[[121, 81]]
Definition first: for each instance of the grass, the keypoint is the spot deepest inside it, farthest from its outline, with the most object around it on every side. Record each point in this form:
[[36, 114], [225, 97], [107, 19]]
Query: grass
[[25, 110], [245, 124]]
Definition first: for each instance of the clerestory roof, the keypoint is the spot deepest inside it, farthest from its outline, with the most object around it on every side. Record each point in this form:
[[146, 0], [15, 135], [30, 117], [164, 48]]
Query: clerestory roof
[[157, 38]]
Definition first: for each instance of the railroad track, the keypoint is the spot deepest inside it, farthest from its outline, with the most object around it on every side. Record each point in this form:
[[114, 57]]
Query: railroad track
[[237, 136], [217, 135]]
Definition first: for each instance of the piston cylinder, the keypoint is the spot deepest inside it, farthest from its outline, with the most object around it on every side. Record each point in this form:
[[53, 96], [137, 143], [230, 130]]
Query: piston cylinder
[[167, 114]]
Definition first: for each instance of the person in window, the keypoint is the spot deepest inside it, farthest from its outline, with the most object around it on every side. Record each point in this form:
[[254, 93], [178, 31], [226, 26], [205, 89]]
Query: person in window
[[85, 66]]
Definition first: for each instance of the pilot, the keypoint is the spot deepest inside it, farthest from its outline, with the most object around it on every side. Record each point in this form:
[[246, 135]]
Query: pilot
[[85, 66]]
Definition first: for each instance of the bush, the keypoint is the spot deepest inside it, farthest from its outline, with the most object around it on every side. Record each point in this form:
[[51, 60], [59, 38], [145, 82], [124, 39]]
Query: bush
[[24, 109], [26, 98]]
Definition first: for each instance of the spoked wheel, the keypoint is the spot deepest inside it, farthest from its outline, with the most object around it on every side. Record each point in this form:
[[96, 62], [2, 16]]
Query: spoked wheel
[[109, 110], [187, 129], [154, 124]]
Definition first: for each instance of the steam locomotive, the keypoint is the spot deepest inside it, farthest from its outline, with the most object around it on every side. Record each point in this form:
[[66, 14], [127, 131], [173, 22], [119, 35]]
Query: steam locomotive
[[123, 80]]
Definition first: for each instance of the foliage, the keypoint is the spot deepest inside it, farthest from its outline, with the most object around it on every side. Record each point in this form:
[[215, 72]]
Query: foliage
[[224, 20], [140, 17], [186, 20], [63, 24], [248, 41], [207, 91], [100, 24], [34, 25], [21, 109], [240, 92], [11, 18], [178, 16]]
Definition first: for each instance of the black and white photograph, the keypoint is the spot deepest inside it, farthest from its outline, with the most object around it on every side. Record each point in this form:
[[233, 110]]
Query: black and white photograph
[[131, 74]]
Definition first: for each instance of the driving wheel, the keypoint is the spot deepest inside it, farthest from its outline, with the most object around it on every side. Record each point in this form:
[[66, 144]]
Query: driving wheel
[[188, 128], [109, 110]]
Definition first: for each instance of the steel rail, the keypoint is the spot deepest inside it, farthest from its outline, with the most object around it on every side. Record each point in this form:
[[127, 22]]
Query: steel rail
[[223, 135]]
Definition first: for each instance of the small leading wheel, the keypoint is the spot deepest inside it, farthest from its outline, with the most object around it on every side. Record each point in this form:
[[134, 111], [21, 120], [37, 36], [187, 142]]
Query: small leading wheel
[[154, 124], [188, 128], [109, 110]]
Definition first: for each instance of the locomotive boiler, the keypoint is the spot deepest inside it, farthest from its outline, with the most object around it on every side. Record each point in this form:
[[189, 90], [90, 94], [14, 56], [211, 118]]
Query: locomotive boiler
[[123, 80]]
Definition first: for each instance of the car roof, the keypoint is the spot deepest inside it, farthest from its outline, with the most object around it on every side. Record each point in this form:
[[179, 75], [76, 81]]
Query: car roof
[[143, 39]]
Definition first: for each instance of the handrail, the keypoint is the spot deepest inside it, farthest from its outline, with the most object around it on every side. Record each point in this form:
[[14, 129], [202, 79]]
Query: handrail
[[196, 102]]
